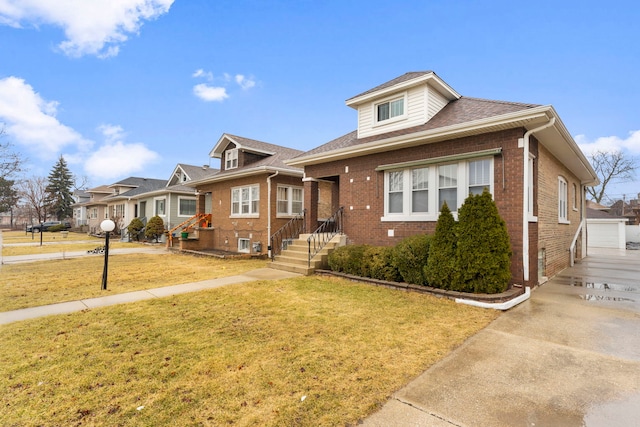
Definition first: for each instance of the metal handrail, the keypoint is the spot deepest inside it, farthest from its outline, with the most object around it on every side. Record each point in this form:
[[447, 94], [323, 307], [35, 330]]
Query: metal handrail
[[291, 230], [323, 234]]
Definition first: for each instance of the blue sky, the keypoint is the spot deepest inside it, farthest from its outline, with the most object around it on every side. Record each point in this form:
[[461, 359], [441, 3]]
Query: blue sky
[[131, 88]]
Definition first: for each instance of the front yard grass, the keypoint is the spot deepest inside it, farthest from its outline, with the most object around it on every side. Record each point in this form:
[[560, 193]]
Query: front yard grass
[[47, 282], [308, 351]]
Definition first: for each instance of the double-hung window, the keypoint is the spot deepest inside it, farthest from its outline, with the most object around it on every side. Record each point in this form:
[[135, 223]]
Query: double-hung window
[[289, 200], [389, 109], [231, 159], [245, 200], [186, 206], [562, 201], [448, 186], [418, 191]]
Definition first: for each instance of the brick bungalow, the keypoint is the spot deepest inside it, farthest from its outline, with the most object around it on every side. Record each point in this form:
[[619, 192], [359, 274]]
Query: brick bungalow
[[254, 194], [419, 143]]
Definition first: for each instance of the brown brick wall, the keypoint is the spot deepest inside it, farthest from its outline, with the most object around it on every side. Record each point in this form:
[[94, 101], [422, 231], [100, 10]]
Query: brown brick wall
[[361, 190], [554, 237], [229, 229]]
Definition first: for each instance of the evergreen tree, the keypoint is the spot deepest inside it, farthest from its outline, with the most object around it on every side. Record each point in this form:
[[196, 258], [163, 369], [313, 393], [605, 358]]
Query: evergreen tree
[[59, 191], [483, 253], [155, 228], [442, 252], [8, 195]]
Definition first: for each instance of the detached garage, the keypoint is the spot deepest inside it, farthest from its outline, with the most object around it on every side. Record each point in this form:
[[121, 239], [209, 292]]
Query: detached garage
[[605, 230]]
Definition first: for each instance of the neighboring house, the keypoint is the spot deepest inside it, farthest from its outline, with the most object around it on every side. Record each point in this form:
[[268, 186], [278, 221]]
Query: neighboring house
[[605, 230], [122, 203], [174, 202], [253, 195], [419, 143], [96, 207], [629, 210], [80, 218]]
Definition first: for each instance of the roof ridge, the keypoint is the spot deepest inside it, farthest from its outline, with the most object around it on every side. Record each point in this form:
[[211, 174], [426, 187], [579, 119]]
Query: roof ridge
[[497, 101]]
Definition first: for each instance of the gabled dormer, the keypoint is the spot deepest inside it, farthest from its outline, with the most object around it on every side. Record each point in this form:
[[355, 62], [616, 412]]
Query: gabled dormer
[[236, 152], [406, 101]]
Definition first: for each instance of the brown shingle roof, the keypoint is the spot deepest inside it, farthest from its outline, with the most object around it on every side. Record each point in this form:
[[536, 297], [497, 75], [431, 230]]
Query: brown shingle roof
[[455, 112], [403, 78]]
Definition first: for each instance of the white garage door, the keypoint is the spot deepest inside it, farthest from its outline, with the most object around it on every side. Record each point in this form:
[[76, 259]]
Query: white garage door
[[603, 235]]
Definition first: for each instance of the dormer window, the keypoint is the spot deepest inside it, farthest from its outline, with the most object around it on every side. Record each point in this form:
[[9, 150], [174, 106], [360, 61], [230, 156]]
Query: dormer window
[[231, 159], [390, 109]]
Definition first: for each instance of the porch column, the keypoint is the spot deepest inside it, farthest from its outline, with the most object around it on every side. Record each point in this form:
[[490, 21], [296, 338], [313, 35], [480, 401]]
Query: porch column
[[311, 204], [200, 203]]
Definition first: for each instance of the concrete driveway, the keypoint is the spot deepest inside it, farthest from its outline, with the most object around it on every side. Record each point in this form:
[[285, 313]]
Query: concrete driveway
[[569, 356]]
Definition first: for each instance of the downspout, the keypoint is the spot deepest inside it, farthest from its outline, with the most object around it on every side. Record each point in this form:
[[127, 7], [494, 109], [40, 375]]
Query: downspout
[[269, 211], [525, 197]]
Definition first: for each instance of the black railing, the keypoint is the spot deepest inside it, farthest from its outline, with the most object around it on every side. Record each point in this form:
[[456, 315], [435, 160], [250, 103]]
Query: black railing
[[323, 234], [286, 234]]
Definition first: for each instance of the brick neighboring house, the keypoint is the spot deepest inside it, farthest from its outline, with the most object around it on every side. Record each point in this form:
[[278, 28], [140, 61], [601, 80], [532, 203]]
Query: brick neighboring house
[[254, 194], [419, 143]]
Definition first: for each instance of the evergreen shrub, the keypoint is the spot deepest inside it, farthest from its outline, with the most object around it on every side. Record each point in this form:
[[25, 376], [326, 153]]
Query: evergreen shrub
[[347, 259], [155, 228], [441, 263], [377, 263], [410, 257], [135, 227], [483, 252]]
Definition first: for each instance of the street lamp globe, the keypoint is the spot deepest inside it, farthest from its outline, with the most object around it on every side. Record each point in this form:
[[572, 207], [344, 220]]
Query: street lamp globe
[[107, 225]]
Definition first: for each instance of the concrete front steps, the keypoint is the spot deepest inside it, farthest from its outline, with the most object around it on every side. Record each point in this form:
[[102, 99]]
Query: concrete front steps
[[296, 257]]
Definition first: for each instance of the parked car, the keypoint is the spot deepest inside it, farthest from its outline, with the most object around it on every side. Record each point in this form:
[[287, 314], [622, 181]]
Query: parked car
[[36, 228]]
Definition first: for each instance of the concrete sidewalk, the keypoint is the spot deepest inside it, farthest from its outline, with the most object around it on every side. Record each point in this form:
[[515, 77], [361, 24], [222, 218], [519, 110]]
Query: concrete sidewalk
[[73, 306], [77, 254], [569, 356]]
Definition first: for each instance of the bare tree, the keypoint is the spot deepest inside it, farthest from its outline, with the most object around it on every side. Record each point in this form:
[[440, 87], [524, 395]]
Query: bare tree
[[612, 167], [10, 161], [33, 192]]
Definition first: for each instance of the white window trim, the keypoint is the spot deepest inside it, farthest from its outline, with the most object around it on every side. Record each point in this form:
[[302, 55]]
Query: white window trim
[[575, 197], [289, 213], [433, 202], [251, 214], [248, 249], [229, 157], [180, 199], [395, 119], [563, 196], [155, 212]]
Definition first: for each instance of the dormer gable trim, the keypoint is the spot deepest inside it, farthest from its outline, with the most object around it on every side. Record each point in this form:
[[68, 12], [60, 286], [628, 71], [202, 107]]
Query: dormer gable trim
[[240, 144], [176, 175], [403, 83]]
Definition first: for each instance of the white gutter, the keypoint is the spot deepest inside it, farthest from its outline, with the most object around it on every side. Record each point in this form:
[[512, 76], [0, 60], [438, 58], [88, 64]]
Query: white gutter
[[269, 211], [498, 305], [525, 196]]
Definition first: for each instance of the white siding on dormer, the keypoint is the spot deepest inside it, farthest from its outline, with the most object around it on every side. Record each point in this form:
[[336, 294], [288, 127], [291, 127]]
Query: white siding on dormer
[[436, 102], [417, 100]]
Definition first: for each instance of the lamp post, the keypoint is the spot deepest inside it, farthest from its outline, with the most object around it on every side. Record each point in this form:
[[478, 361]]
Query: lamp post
[[107, 226]]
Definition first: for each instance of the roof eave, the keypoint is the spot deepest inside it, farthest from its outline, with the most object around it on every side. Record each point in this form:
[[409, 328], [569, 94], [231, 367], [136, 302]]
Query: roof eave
[[242, 174]]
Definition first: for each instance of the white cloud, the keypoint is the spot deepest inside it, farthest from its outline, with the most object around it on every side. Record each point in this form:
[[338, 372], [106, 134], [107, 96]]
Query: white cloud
[[210, 93], [95, 27], [204, 74], [244, 82], [115, 158], [30, 120], [610, 143]]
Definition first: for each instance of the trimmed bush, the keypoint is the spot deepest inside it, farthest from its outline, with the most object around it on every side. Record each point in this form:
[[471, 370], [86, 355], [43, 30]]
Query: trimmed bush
[[410, 257], [441, 263], [347, 259], [56, 228], [377, 263], [155, 228], [134, 228], [483, 253]]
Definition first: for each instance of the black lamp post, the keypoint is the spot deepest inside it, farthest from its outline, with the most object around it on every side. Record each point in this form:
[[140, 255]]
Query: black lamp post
[[107, 226]]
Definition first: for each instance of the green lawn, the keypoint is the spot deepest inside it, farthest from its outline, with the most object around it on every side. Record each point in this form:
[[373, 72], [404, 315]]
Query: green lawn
[[308, 351]]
